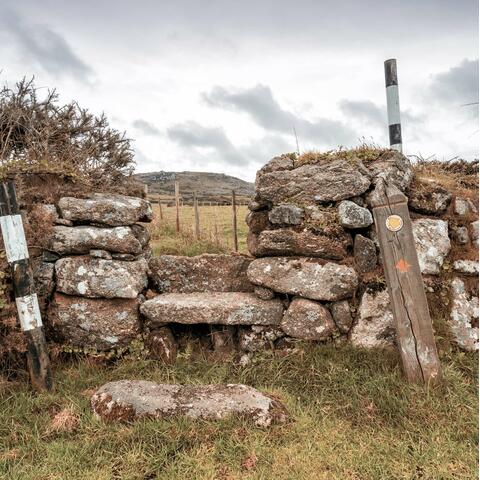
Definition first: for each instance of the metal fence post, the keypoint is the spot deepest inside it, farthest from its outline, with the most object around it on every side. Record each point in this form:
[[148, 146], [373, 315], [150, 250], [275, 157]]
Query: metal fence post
[[393, 104]]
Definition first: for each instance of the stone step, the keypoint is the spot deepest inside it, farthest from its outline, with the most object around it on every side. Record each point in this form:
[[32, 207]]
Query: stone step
[[128, 400], [224, 308]]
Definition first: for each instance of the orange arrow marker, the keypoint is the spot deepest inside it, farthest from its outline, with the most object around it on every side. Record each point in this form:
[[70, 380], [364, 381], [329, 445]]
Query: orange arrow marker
[[403, 265]]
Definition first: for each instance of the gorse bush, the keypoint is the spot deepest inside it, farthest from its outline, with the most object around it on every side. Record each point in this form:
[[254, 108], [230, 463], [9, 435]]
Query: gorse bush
[[61, 144]]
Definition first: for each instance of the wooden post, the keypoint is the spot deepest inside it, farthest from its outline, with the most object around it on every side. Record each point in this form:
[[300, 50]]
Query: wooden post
[[234, 222], [177, 205], [405, 284], [160, 208], [393, 104], [197, 216], [26, 299], [217, 242]]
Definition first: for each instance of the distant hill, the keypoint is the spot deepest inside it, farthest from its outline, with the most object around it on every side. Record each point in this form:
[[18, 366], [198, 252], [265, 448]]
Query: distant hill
[[207, 185]]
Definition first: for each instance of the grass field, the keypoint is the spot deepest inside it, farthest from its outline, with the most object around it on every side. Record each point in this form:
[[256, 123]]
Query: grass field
[[352, 417], [216, 229]]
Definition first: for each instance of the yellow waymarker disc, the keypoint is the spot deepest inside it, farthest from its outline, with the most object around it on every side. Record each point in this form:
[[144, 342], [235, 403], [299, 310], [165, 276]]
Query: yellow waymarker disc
[[394, 223]]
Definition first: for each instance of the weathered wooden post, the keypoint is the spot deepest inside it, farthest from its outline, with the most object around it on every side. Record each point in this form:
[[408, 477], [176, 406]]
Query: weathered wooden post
[[177, 206], [415, 336], [234, 222], [26, 299], [393, 104], [197, 216], [160, 210]]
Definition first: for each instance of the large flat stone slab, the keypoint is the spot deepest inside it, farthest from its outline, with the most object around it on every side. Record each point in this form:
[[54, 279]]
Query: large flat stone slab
[[99, 278], [113, 210], [304, 277], [224, 308], [82, 239], [128, 400], [202, 273], [101, 324], [330, 181]]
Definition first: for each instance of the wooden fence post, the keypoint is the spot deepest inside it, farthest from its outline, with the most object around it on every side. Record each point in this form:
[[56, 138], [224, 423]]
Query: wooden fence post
[[177, 205], [415, 336], [197, 216], [160, 208], [234, 221], [26, 299]]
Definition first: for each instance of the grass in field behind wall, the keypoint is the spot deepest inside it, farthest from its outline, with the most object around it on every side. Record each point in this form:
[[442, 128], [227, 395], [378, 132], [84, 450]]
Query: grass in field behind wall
[[352, 417], [216, 229]]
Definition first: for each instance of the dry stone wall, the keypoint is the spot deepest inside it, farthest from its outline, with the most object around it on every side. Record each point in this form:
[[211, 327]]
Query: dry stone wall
[[314, 273]]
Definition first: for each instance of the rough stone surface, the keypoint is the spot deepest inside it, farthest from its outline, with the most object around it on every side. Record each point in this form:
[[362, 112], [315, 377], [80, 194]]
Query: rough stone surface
[[223, 308], [474, 226], [285, 241], [460, 235], [353, 216], [330, 181], [102, 324], [394, 168], [432, 244], [258, 338], [374, 327], [342, 316], [141, 234], [127, 400], [98, 278], [257, 221], [82, 239], [264, 293], [100, 254], [202, 273], [113, 210], [162, 345], [464, 206], [304, 277], [308, 320], [467, 267], [434, 200], [463, 322], [44, 282], [365, 254], [277, 164], [285, 214]]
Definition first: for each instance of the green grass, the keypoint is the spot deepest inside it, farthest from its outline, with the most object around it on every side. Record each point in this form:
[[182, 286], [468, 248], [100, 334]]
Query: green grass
[[352, 417]]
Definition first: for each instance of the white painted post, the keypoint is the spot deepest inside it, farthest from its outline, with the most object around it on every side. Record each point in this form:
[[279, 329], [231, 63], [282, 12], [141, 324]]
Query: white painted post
[[25, 296], [393, 104]]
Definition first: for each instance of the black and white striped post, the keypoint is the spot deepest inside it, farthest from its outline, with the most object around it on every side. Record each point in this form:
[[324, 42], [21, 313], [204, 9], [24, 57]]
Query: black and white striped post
[[25, 297], [393, 104]]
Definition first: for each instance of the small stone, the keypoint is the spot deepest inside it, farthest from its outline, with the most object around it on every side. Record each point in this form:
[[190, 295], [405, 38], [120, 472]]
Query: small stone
[[432, 244], [460, 235], [286, 215], [365, 254], [128, 400], [432, 201], [308, 320], [277, 164], [106, 209], [264, 293], [63, 221], [222, 308], [353, 216], [257, 221], [342, 316], [467, 267], [255, 206], [464, 206], [474, 226], [50, 256], [464, 316], [257, 338], [374, 327], [126, 257], [162, 345], [304, 277], [100, 254]]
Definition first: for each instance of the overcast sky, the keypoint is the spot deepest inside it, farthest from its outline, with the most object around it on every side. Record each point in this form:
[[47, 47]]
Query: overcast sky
[[220, 85]]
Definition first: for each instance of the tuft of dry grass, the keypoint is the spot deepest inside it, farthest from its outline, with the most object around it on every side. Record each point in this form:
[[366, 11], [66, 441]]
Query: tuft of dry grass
[[66, 420]]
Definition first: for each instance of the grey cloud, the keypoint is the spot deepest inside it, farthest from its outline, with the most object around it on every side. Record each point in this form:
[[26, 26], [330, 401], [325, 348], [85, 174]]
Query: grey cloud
[[458, 85], [192, 135], [44, 46], [364, 110], [259, 103], [146, 127]]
